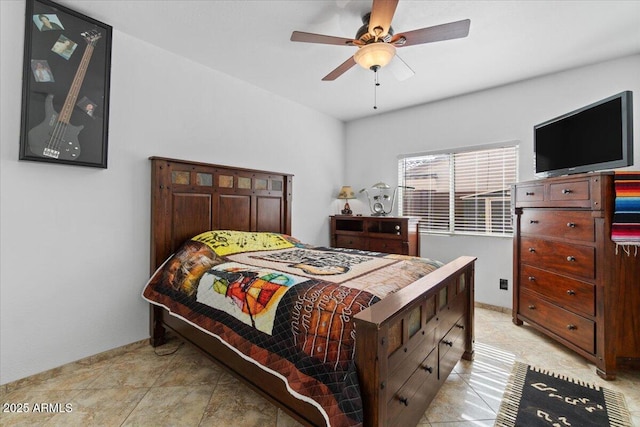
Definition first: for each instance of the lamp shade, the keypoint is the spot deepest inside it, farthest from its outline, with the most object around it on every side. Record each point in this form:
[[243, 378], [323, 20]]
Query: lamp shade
[[346, 192], [375, 55]]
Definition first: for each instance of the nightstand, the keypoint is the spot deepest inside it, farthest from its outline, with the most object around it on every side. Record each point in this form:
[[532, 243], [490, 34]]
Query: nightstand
[[397, 235]]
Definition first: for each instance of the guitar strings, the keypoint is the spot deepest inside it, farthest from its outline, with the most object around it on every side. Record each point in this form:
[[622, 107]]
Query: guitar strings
[[60, 128]]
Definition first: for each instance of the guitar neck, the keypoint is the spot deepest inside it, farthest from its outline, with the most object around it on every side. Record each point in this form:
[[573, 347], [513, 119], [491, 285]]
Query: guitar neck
[[67, 108]]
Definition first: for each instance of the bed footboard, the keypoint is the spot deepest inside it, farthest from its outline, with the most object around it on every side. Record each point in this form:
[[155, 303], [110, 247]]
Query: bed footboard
[[408, 343]]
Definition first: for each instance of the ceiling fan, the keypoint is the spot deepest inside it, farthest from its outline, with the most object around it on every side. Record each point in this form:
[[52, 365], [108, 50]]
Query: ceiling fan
[[377, 42]]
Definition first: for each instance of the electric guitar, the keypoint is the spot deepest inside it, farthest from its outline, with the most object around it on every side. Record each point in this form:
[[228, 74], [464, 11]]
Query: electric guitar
[[55, 137]]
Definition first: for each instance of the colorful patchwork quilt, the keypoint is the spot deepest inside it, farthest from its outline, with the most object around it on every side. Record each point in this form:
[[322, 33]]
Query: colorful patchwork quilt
[[284, 305]]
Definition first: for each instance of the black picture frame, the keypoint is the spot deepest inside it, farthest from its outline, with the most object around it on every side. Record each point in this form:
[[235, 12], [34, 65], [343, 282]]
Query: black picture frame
[[65, 86]]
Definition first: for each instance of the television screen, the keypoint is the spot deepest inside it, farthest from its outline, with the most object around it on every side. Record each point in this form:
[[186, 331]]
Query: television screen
[[596, 137]]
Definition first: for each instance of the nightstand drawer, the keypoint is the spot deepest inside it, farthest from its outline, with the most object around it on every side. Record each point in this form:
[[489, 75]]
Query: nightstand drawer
[[576, 260], [568, 293], [570, 326], [351, 242], [386, 245], [574, 225]]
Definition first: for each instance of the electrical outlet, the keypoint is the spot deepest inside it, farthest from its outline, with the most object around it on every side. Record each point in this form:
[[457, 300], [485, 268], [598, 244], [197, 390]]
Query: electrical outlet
[[504, 284]]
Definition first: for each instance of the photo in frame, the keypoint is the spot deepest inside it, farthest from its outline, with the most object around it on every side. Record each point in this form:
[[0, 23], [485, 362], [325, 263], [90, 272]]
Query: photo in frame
[[65, 86]]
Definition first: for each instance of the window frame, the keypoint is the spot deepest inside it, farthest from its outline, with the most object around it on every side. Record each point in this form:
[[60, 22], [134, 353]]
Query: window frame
[[512, 150]]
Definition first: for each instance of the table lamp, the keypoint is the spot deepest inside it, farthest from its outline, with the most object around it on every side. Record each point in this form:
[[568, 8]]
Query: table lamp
[[346, 193]]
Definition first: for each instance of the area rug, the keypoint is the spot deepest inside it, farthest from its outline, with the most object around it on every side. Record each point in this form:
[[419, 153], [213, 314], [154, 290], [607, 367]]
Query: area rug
[[535, 397]]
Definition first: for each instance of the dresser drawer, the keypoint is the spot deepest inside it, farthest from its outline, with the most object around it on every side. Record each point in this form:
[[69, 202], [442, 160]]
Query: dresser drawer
[[574, 225], [566, 292], [576, 260], [388, 246], [351, 242], [570, 326], [569, 191], [421, 387], [529, 193]]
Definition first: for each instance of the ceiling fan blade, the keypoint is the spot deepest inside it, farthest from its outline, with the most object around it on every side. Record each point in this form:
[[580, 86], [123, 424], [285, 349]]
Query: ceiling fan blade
[[400, 69], [342, 68], [381, 15], [452, 30], [299, 36]]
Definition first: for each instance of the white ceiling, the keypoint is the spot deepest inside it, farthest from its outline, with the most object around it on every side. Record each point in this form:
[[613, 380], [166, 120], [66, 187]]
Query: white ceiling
[[508, 41]]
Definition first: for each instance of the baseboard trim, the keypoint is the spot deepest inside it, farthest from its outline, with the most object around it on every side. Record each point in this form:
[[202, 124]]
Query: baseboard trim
[[493, 307]]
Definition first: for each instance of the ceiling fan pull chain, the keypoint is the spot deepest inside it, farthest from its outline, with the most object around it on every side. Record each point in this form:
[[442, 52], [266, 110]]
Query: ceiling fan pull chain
[[375, 86]]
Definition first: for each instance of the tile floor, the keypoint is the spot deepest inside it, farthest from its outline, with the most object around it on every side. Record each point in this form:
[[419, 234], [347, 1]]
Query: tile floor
[[138, 387]]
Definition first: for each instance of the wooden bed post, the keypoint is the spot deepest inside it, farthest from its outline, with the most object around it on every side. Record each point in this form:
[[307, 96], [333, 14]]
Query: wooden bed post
[[470, 338], [156, 330]]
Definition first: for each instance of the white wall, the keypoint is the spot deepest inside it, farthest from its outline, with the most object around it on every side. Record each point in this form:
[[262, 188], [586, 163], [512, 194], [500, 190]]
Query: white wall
[[75, 240], [502, 114]]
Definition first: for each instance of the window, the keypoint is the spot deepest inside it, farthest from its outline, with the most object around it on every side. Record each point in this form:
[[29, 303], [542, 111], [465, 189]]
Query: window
[[460, 192]]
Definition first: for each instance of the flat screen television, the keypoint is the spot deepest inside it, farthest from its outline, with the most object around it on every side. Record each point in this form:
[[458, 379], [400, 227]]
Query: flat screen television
[[596, 137]]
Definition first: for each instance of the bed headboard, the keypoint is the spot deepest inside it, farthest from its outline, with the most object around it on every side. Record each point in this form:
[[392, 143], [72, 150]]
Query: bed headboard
[[188, 198]]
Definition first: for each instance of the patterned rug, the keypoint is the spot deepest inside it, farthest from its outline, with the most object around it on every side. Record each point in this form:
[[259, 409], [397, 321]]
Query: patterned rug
[[535, 397]]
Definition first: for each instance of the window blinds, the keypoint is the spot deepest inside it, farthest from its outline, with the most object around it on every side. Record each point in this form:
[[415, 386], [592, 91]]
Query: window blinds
[[460, 192]]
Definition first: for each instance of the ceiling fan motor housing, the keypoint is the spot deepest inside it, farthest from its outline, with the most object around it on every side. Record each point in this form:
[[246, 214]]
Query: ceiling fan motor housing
[[366, 37]]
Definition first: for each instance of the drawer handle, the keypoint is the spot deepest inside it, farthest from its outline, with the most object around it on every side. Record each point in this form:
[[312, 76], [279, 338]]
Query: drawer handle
[[459, 326], [449, 343], [571, 258], [571, 224], [532, 249], [566, 191], [403, 400], [428, 369], [529, 193], [572, 327], [534, 221], [571, 292], [532, 307], [532, 278]]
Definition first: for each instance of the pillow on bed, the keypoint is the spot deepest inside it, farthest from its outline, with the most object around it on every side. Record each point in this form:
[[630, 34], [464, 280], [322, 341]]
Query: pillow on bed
[[227, 242]]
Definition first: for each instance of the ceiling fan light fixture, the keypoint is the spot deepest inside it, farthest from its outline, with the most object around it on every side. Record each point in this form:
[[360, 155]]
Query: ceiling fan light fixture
[[375, 55]]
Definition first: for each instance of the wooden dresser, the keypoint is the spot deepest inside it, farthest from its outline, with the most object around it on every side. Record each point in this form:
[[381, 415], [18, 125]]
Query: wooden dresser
[[569, 282], [396, 235]]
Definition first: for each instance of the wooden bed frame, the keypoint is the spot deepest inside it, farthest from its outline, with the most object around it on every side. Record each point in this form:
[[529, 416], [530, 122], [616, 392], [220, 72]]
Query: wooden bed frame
[[406, 344]]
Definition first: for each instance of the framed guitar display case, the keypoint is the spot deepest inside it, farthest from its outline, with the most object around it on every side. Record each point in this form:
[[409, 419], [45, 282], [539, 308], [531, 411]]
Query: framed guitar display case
[[65, 86]]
